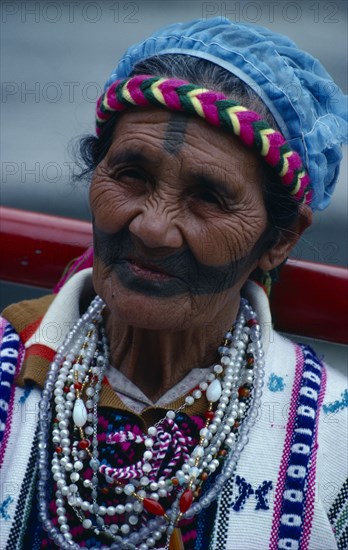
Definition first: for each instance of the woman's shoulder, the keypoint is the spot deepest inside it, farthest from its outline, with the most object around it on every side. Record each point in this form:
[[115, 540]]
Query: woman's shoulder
[[22, 314]]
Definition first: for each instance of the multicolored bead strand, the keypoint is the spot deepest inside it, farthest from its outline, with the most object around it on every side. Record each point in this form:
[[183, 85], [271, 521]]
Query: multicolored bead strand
[[233, 391]]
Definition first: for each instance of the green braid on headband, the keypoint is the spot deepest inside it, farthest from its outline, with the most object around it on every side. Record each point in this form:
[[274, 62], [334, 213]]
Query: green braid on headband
[[218, 110]]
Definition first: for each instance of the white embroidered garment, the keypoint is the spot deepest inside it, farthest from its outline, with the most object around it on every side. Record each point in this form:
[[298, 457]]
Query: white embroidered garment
[[285, 487]]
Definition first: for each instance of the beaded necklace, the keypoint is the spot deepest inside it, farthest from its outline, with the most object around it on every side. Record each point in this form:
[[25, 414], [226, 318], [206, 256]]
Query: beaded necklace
[[157, 494]]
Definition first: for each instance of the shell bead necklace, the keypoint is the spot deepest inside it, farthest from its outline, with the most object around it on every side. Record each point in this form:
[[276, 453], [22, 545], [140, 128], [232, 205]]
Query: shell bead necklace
[[70, 398]]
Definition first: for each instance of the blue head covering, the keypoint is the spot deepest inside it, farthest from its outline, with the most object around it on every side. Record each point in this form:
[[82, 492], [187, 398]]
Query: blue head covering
[[310, 110]]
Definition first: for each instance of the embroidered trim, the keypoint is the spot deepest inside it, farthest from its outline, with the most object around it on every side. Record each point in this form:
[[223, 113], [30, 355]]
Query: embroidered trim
[[310, 490], [3, 325], [205, 527], [224, 509], [25, 500], [16, 481], [206, 519], [338, 516], [294, 506], [9, 351], [286, 450]]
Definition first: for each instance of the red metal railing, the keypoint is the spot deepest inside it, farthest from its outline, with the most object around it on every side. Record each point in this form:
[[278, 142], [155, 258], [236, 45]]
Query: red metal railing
[[35, 248], [310, 299]]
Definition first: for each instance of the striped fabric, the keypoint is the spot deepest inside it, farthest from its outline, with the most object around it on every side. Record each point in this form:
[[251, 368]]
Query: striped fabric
[[293, 509]]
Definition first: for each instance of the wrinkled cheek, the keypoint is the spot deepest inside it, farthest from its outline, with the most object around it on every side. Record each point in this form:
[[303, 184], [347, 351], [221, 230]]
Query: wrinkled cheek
[[102, 276], [217, 245], [110, 209]]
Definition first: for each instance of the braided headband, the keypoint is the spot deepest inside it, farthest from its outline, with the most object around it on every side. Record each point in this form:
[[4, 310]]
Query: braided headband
[[218, 110]]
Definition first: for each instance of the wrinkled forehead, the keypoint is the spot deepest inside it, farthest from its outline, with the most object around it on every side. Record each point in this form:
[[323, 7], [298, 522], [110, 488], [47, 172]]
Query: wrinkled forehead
[[185, 137]]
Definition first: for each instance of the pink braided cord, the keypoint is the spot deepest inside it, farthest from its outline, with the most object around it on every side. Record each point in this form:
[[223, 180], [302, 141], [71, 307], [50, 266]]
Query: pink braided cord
[[169, 437]]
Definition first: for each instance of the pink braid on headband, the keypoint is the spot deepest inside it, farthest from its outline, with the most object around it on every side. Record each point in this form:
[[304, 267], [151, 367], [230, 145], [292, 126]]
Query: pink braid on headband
[[218, 110]]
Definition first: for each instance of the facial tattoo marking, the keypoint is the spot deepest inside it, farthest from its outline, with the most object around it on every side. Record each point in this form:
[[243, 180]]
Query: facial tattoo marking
[[187, 274], [175, 133]]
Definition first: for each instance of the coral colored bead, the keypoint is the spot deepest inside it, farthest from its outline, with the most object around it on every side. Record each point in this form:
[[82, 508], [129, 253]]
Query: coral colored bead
[[185, 500], [175, 481], [209, 415], [243, 392], [153, 507], [204, 476], [84, 444], [223, 452], [59, 450]]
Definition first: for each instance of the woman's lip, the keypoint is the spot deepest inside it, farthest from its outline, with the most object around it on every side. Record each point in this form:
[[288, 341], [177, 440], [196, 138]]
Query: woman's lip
[[148, 270]]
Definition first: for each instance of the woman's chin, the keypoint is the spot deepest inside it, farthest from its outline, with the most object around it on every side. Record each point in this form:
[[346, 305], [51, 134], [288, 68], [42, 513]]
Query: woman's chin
[[143, 308], [145, 304]]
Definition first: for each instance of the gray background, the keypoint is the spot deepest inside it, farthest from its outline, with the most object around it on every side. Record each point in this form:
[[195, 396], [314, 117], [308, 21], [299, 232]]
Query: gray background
[[55, 57]]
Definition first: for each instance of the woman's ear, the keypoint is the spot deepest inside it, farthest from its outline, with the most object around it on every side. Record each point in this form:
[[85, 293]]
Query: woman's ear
[[277, 254]]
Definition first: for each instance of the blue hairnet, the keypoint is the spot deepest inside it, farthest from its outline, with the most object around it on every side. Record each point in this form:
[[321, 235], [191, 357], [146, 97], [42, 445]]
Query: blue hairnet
[[309, 108]]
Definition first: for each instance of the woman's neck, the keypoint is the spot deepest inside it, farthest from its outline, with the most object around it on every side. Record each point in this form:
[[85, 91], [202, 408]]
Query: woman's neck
[[155, 361]]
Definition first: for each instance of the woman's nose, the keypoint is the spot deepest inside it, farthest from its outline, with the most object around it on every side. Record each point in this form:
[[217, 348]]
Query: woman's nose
[[156, 227]]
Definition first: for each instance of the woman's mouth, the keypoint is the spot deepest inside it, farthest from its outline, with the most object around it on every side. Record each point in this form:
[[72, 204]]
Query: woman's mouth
[[147, 271]]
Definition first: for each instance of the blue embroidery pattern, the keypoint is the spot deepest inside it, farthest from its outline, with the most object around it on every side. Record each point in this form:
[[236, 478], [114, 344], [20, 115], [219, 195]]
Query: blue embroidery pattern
[[246, 490], [261, 495], [24, 397], [4, 507], [338, 404], [296, 483], [275, 383]]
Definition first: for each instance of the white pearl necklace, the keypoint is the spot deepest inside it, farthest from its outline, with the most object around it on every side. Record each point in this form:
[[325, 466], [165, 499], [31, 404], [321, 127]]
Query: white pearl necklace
[[78, 371]]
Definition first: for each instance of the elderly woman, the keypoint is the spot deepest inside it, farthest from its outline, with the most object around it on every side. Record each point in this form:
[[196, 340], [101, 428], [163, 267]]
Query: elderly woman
[[154, 428]]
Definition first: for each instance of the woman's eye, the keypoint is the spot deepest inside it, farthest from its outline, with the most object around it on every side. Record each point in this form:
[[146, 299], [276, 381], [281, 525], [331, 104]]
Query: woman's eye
[[208, 197], [132, 174]]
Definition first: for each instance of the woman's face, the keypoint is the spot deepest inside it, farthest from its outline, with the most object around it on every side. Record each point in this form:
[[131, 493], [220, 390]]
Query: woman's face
[[179, 220]]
